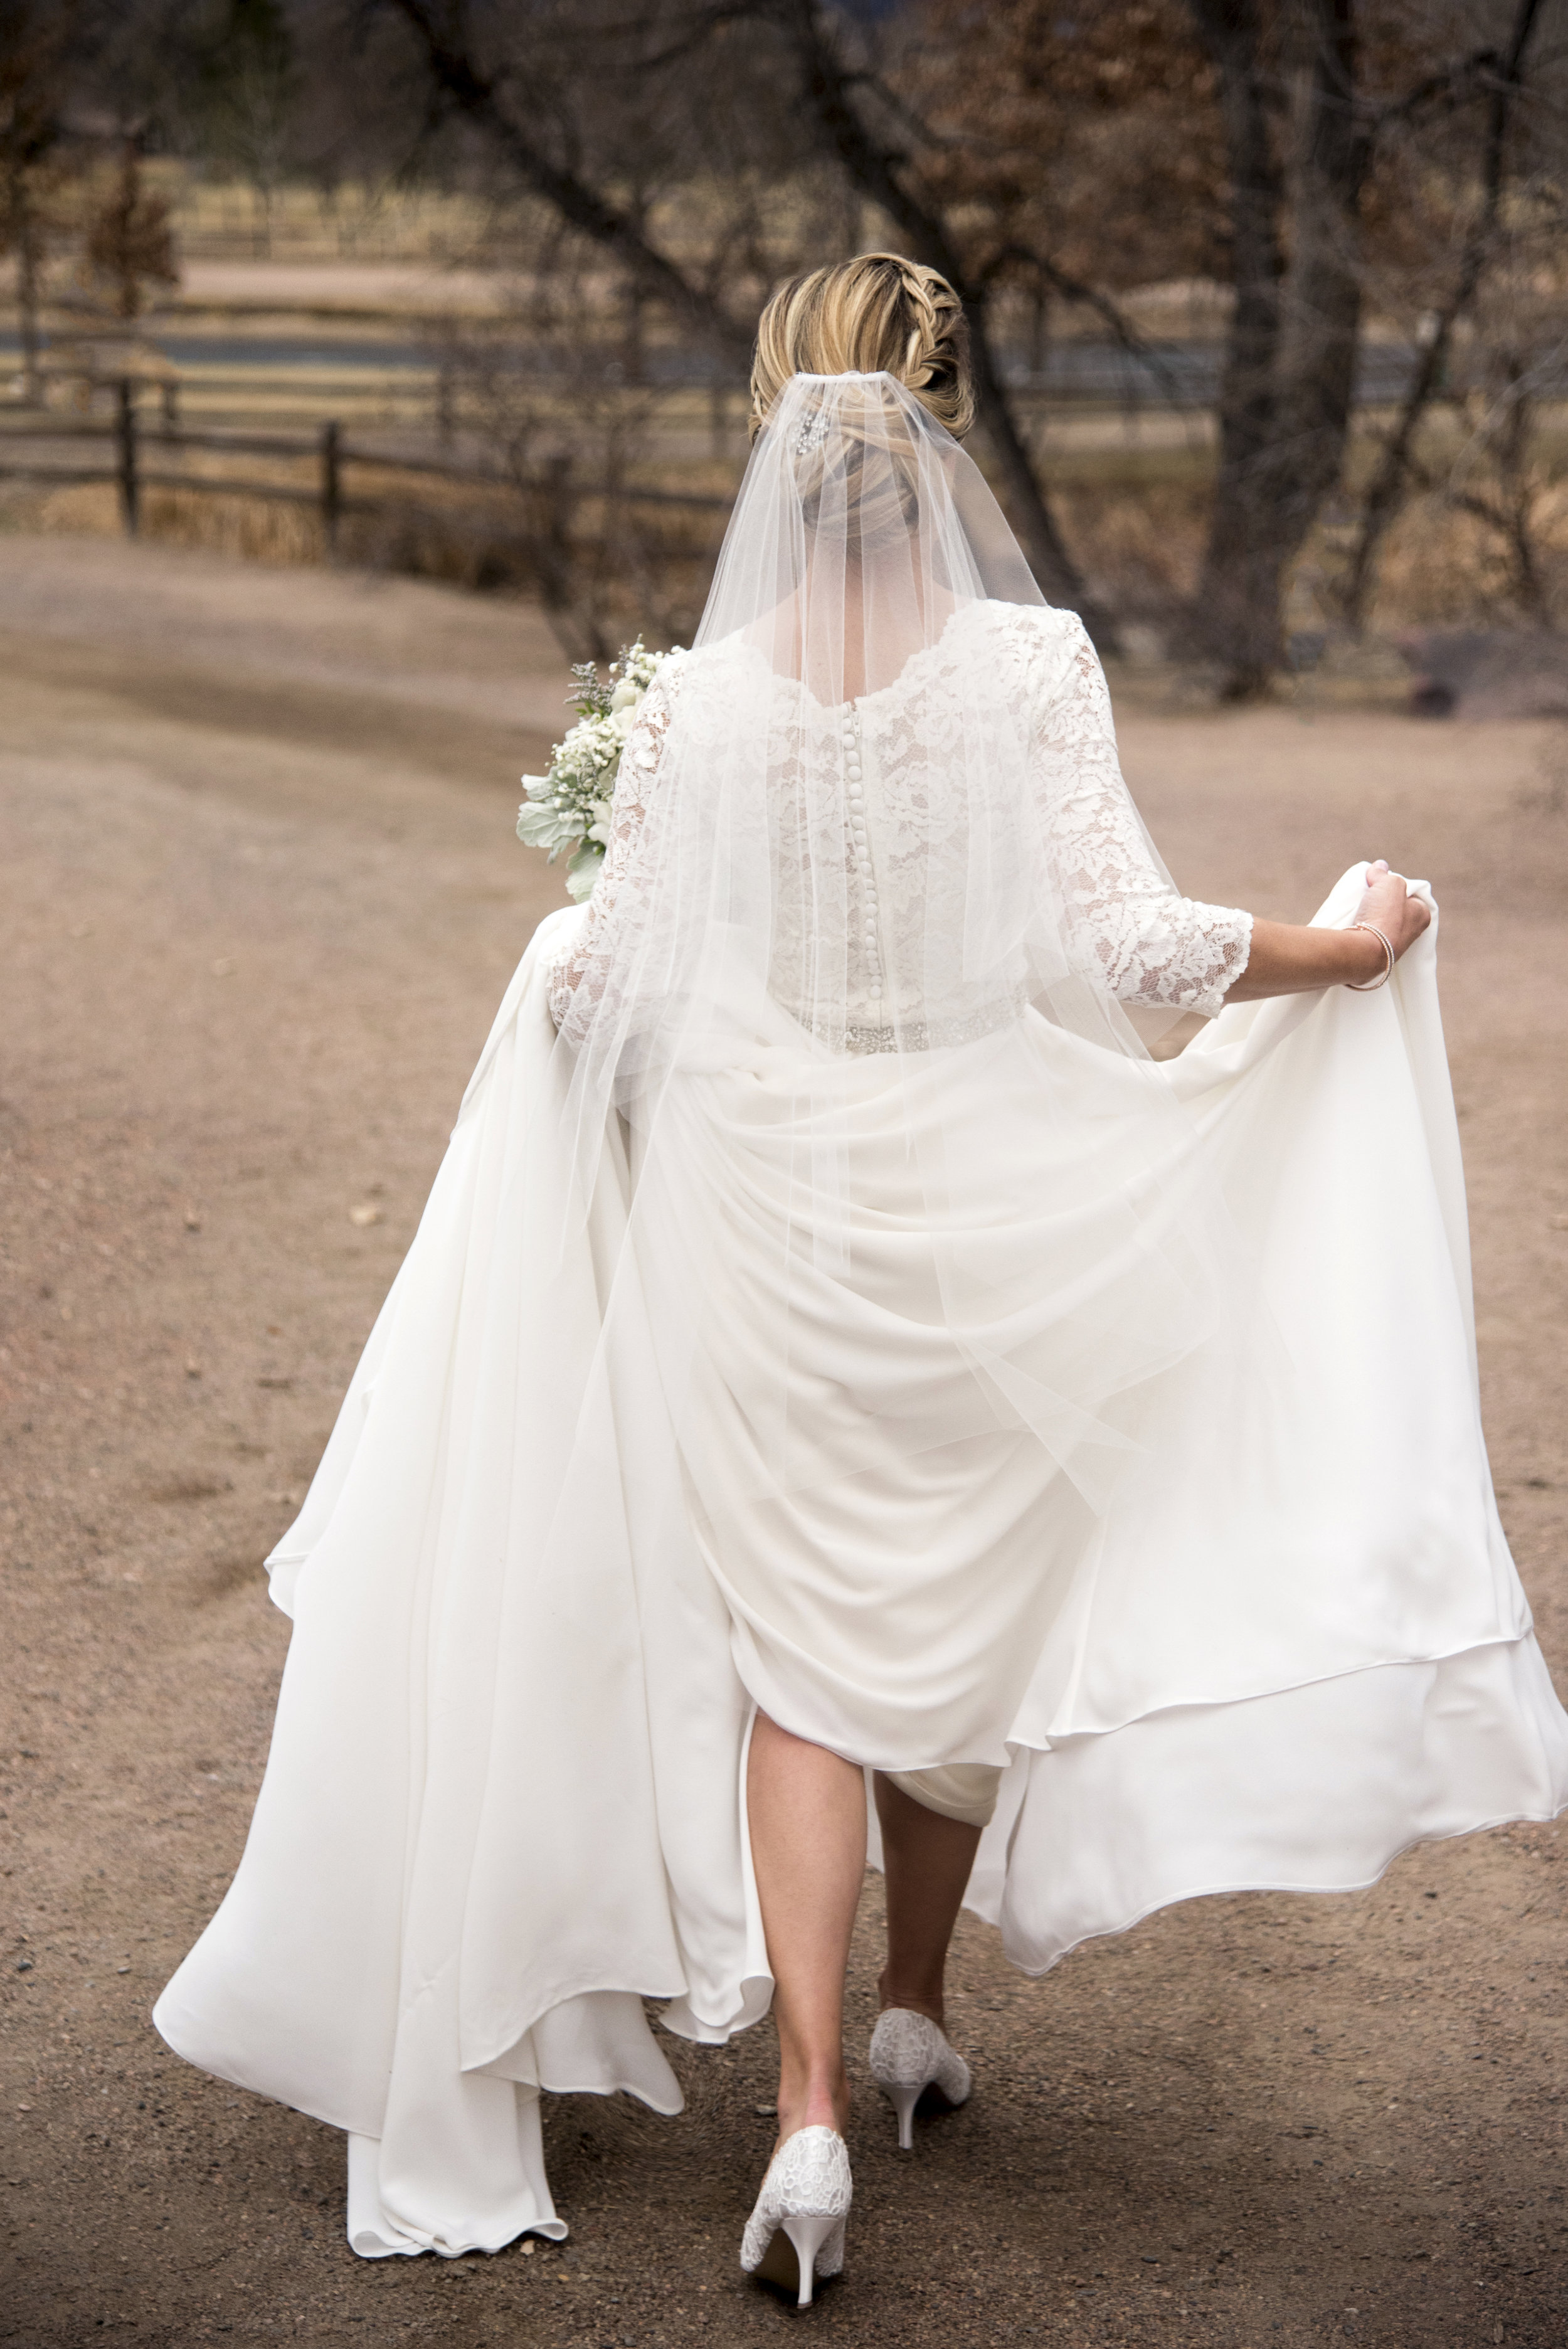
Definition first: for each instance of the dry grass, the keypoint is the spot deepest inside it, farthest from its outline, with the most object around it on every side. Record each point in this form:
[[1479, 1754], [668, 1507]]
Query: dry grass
[[1136, 520], [257, 530], [1139, 541], [283, 400], [360, 219], [1440, 568], [1443, 566]]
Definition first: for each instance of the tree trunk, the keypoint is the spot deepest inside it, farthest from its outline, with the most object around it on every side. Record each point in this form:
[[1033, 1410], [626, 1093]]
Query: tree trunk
[[1289, 378], [1235, 617], [1322, 314], [24, 221], [442, 35], [829, 92], [1392, 477], [1519, 500], [1059, 578]]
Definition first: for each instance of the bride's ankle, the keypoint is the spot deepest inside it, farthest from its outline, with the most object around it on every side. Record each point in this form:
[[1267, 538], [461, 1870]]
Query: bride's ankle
[[817, 2104], [914, 1998]]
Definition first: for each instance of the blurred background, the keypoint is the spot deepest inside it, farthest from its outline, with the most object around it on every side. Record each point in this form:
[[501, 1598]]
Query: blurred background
[[362, 364], [1270, 297]]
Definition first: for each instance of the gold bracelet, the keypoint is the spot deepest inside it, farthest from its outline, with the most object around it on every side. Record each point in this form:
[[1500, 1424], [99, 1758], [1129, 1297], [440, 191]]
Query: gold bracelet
[[1366, 986]]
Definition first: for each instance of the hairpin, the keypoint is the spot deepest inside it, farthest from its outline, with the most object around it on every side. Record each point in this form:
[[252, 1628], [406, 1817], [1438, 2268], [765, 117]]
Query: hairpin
[[813, 431]]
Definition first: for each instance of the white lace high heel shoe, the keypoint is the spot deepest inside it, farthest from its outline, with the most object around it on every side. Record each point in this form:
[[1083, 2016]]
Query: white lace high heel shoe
[[796, 2233], [909, 2055]]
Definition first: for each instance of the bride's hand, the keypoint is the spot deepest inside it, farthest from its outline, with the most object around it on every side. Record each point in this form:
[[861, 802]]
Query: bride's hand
[[1287, 960], [1388, 906]]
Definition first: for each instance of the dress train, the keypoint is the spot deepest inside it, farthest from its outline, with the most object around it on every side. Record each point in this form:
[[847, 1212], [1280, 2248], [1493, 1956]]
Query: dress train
[[505, 1799]]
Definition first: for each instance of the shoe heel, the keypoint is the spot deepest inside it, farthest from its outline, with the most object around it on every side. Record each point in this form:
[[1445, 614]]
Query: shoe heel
[[904, 2100], [808, 2233]]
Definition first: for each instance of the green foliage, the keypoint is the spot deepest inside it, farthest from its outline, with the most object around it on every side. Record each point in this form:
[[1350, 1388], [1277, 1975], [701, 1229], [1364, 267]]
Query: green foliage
[[568, 807]]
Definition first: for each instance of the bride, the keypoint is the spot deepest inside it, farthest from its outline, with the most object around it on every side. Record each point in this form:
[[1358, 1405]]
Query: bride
[[845, 1384]]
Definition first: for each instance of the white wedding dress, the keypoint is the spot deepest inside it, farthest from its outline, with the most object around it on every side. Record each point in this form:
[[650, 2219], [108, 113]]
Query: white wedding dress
[[827, 1305]]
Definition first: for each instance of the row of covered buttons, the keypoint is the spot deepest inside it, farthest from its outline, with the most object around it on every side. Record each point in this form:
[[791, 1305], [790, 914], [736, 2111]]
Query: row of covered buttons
[[856, 793]]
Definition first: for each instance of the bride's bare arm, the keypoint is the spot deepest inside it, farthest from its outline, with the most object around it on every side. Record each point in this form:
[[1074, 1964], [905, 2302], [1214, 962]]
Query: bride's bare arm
[[1288, 959]]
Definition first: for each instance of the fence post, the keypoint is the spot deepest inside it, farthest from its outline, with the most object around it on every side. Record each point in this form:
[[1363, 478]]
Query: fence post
[[331, 483], [170, 405], [125, 432]]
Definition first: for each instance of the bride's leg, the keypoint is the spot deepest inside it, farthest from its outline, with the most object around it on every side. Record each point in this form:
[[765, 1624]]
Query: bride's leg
[[926, 1860], [808, 1813]]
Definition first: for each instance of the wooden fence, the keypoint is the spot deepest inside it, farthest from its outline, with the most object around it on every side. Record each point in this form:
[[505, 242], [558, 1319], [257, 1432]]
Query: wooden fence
[[137, 451]]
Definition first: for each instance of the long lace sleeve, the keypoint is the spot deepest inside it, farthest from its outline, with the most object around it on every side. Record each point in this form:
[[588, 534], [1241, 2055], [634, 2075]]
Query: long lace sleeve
[[576, 980], [1154, 946]]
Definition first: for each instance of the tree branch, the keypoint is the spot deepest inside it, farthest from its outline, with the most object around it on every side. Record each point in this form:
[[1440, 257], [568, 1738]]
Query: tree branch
[[473, 93], [829, 89], [832, 90], [1389, 482], [1452, 87], [1092, 297]]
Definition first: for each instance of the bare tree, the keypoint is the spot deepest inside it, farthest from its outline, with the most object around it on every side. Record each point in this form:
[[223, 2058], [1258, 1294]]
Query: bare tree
[[130, 244], [526, 99], [1507, 473], [25, 222], [35, 59], [1318, 98], [551, 387], [857, 116], [248, 95], [1509, 503], [1050, 163], [1288, 379], [1496, 79]]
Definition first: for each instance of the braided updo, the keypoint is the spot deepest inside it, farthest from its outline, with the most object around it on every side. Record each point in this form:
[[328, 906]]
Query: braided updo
[[878, 314]]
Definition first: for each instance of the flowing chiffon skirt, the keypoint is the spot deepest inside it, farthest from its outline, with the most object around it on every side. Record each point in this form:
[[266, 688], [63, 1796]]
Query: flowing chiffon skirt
[[1212, 1571]]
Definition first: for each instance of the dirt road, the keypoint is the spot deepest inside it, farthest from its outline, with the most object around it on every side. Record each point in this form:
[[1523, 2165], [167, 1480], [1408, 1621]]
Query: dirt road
[[261, 896]]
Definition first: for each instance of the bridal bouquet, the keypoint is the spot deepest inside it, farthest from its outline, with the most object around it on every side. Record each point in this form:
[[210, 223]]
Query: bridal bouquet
[[568, 807]]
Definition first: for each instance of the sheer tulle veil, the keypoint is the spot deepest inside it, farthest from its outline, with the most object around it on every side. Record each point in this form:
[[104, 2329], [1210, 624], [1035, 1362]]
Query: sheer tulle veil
[[862, 540]]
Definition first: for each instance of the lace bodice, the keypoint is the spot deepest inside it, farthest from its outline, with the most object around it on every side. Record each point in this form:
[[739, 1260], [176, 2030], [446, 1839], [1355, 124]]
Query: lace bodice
[[875, 794], [1154, 946]]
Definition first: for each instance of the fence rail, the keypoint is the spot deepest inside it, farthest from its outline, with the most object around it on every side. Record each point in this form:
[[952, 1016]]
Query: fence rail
[[134, 443]]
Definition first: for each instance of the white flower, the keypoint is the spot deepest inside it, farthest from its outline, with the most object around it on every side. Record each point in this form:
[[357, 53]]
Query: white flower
[[568, 808]]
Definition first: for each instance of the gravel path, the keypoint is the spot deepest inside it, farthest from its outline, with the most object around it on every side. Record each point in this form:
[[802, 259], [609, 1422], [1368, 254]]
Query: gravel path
[[261, 899]]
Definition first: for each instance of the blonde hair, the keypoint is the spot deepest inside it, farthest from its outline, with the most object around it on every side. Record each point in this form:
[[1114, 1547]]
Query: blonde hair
[[878, 314]]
